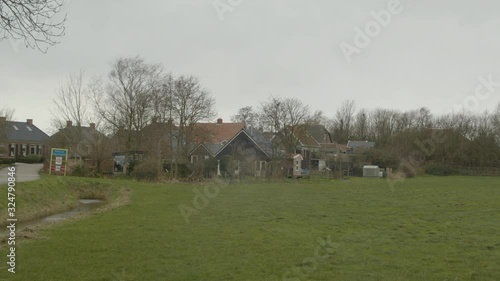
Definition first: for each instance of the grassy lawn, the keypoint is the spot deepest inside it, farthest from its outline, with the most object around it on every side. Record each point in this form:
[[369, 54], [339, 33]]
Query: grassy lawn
[[428, 228]]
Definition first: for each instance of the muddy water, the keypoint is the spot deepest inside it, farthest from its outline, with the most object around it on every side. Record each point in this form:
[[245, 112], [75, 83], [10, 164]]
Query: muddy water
[[86, 205]]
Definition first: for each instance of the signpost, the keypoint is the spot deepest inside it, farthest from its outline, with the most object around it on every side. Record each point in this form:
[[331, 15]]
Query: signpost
[[58, 160]]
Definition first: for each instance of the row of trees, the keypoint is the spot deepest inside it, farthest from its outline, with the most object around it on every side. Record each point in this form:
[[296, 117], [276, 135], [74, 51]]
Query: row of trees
[[377, 125], [133, 94], [136, 92], [472, 139]]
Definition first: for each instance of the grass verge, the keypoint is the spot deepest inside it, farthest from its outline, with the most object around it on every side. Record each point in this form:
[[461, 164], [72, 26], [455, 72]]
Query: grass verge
[[428, 228]]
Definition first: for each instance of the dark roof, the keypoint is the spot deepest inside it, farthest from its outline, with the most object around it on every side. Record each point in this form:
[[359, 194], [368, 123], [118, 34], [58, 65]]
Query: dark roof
[[256, 137], [76, 134], [319, 133], [355, 144], [261, 140], [24, 132], [213, 148], [302, 134]]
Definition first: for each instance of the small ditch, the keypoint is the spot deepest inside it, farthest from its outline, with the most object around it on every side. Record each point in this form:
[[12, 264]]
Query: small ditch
[[84, 206]]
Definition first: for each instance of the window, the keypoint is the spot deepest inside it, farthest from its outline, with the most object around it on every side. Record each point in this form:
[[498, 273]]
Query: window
[[261, 166], [29, 128], [194, 159], [32, 149], [207, 157], [23, 149], [15, 127], [12, 150]]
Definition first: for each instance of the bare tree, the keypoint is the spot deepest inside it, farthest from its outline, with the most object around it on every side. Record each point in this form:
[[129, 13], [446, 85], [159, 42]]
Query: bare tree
[[495, 121], [7, 112], [287, 119], [344, 121], [384, 124], [33, 21], [161, 100], [125, 102], [246, 115], [360, 128], [191, 104], [70, 101], [424, 118]]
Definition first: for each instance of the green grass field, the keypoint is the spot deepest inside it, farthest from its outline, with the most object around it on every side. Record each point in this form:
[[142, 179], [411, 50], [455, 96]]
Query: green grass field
[[428, 228]]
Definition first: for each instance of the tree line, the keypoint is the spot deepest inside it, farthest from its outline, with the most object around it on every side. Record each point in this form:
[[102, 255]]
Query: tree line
[[468, 139], [136, 92]]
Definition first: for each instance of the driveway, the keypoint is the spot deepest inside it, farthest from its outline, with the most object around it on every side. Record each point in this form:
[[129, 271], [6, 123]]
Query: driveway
[[24, 172]]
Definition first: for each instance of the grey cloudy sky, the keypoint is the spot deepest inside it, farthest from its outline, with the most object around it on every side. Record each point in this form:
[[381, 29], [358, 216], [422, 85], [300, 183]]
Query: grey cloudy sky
[[429, 54]]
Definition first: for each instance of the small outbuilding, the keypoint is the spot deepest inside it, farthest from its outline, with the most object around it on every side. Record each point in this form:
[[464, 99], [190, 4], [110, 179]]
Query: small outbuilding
[[297, 165], [370, 171]]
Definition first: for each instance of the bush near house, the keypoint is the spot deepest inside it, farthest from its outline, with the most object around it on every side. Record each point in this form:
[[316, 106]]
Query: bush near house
[[7, 161], [149, 170], [82, 170], [29, 159]]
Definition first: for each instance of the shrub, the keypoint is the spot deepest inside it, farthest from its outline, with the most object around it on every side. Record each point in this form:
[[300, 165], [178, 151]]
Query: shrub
[[440, 170], [183, 171], [148, 170], [7, 161], [130, 167], [81, 170], [30, 159]]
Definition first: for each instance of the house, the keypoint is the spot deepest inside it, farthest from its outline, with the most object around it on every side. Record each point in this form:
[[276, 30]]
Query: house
[[210, 138], [126, 142], [79, 140], [86, 145], [235, 150], [22, 139], [352, 146], [316, 146], [160, 139]]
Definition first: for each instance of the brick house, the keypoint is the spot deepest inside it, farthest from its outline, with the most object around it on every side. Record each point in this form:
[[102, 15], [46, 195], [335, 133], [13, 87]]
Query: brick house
[[22, 139]]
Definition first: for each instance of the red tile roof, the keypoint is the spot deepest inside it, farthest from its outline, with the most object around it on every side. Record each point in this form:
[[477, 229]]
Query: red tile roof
[[216, 133]]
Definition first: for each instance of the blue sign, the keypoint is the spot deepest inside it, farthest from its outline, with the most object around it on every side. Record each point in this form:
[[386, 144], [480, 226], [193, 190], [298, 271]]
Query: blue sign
[[59, 152]]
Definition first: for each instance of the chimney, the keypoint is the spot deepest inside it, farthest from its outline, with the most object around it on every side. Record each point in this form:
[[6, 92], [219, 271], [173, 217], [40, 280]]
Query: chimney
[[219, 121], [69, 124], [92, 126], [29, 121], [3, 119]]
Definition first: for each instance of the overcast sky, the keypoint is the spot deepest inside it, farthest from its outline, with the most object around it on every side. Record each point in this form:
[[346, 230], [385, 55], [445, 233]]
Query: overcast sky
[[429, 53]]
